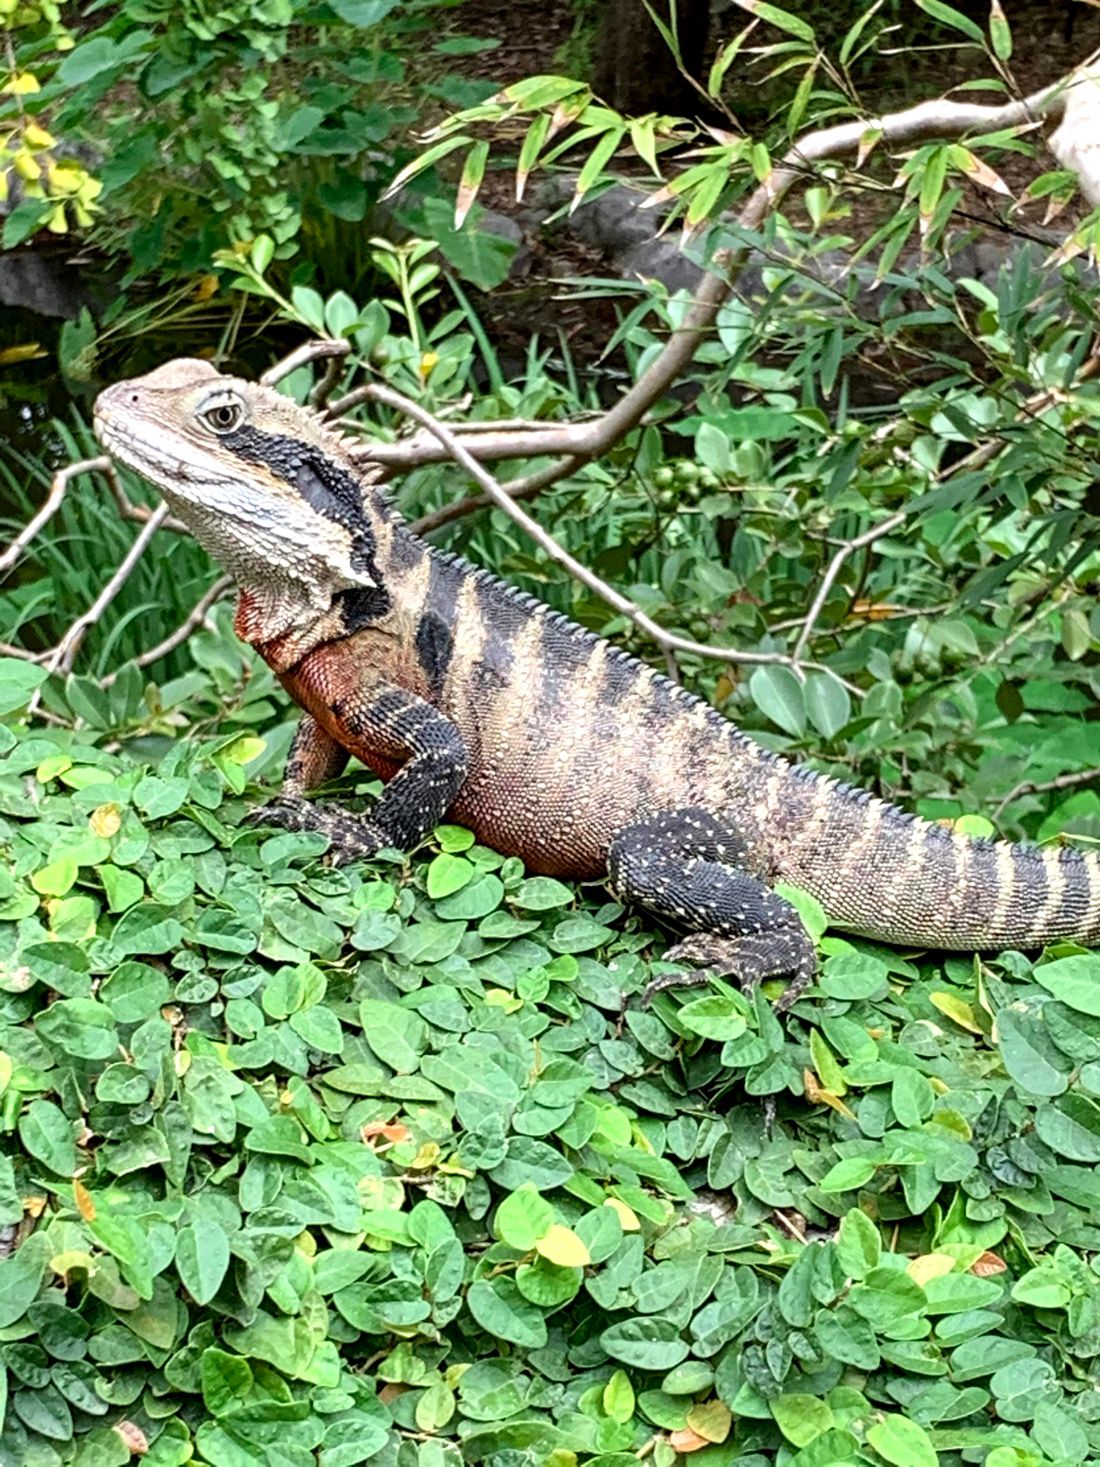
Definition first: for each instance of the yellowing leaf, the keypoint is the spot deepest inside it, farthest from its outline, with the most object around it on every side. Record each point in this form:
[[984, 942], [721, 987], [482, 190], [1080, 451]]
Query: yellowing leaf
[[22, 85], [84, 1201], [244, 749], [929, 1266], [561, 1245], [500, 998], [627, 1216], [56, 878], [711, 1420], [818, 1095], [27, 165], [72, 1260], [106, 820], [26, 351], [37, 137], [957, 1010]]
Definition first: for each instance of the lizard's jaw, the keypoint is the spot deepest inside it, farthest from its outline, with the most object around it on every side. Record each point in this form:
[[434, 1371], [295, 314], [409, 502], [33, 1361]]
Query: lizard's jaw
[[261, 531]]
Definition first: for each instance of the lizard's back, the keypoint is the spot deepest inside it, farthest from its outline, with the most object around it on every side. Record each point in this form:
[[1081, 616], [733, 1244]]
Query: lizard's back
[[570, 739]]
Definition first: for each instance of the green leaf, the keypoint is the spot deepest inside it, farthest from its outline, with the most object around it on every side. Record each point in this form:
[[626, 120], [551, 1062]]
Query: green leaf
[[801, 1418], [858, 1245], [714, 1017], [202, 1258], [501, 1309], [226, 1381], [47, 1133], [902, 1442], [18, 679], [647, 1344], [780, 696], [782, 19], [618, 1397], [447, 874], [827, 702], [951, 17], [1075, 981], [523, 1218], [363, 13]]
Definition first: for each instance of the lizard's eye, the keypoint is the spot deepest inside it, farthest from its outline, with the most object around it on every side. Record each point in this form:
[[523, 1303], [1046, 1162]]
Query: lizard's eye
[[224, 417]]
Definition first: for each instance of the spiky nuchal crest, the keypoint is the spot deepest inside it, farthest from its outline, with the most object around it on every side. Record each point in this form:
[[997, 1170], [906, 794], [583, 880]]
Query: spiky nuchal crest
[[267, 486]]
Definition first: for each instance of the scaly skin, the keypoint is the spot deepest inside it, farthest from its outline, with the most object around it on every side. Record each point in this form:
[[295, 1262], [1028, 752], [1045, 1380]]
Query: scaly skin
[[473, 700]]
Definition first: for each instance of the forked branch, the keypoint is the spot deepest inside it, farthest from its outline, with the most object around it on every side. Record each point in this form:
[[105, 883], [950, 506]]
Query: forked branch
[[584, 441]]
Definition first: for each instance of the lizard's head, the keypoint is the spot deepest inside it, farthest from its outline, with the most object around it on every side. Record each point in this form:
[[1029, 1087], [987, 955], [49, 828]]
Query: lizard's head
[[265, 485]]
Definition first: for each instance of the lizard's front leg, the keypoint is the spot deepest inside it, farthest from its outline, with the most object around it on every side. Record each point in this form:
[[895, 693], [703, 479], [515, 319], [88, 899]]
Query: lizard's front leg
[[378, 723], [685, 865]]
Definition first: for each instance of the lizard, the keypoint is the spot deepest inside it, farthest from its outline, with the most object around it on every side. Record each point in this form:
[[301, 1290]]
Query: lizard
[[473, 700]]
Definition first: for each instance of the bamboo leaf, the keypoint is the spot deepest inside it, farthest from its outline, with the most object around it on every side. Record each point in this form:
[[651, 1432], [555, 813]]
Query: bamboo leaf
[[473, 172]]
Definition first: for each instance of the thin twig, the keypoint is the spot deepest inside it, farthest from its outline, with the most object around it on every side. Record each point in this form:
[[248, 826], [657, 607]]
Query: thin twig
[[59, 485], [666, 640], [139, 513], [1044, 787], [323, 390], [524, 488], [61, 658], [590, 440], [175, 639], [849, 547], [301, 356]]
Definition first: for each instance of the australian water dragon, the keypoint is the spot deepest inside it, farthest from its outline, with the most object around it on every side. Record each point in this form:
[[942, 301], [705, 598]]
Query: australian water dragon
[[472, 699]]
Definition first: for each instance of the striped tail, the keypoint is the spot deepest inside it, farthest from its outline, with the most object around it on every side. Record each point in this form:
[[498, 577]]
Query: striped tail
[[886, 875]]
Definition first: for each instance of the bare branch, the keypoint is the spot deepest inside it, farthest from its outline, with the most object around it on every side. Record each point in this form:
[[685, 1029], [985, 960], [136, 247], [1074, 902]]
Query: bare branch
[[1046, 786], [324, 389], [667, 641], [583, 441], [301, 356], [524, 488], [849, 547], [61, 658], [195, 619], [141, 514], [59, 485]]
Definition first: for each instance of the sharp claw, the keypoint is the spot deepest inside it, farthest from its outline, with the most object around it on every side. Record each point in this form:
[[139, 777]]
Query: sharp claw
[[284, 813]]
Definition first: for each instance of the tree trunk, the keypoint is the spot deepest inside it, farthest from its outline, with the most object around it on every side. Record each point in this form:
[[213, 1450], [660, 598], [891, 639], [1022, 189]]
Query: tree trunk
[[635, 71]]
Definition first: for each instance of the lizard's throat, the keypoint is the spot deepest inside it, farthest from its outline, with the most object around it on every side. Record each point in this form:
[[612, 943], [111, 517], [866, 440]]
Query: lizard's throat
[[290, 576], [274, 611]]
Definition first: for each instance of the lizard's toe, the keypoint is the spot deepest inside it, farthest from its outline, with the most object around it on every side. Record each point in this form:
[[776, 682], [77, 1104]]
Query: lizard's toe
[[350, 837], [285, 812], [749, 958]]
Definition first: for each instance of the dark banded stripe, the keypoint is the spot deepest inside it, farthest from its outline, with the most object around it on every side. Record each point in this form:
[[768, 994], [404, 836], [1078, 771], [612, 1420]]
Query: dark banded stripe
[[434, 631], [322, 481]]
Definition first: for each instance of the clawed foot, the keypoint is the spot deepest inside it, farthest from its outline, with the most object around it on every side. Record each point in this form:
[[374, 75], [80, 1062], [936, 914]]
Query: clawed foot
[[750, 959], [350, 837]]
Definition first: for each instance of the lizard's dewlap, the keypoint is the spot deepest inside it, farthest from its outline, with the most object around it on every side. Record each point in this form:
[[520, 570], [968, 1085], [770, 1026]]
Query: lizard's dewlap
[[474, 700]]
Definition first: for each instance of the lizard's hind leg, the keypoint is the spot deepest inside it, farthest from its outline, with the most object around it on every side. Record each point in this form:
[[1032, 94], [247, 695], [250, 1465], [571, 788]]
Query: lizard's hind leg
[[684, 865]]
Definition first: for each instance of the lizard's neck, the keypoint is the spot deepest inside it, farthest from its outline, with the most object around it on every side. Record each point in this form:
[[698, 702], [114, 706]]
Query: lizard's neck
[[285, 618]]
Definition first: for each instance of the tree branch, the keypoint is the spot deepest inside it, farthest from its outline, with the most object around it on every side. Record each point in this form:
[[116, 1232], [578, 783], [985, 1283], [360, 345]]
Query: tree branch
[[584, 441], [59, 486], [61, 658], [498, 495], [1046, 786], [175, 639]]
